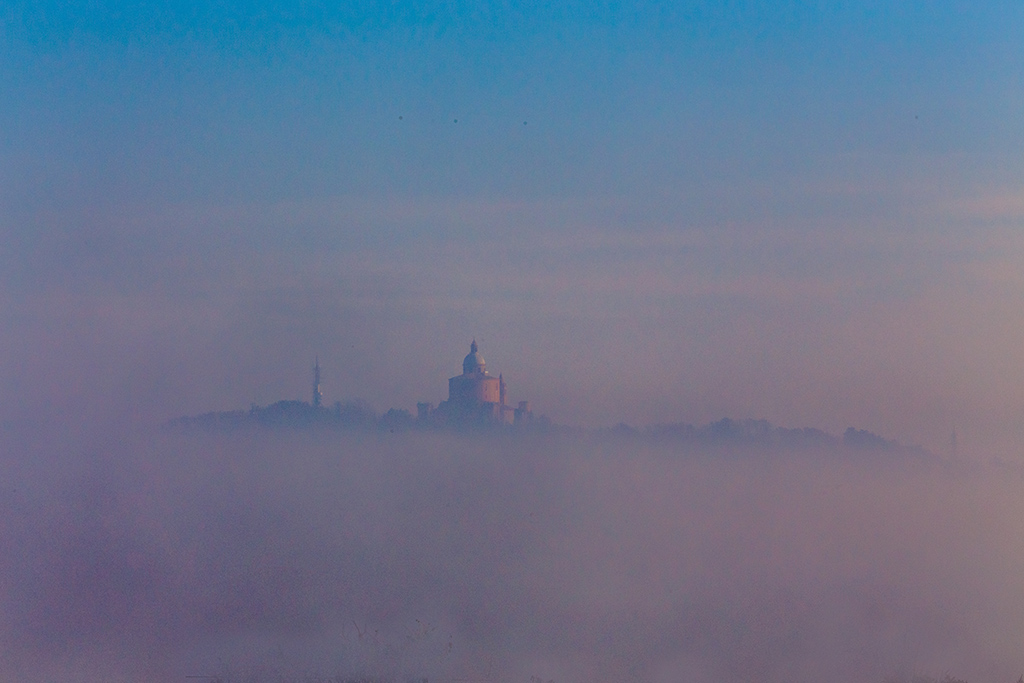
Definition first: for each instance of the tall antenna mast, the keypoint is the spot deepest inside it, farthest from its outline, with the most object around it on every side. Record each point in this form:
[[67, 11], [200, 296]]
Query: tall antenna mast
[[318, 397]]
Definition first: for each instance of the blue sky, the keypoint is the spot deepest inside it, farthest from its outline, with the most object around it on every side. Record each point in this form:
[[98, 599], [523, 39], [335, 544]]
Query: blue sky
[[808, 212], [193, 100]]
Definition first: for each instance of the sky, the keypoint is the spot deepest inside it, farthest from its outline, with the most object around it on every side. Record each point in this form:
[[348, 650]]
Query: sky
[[799, 211]]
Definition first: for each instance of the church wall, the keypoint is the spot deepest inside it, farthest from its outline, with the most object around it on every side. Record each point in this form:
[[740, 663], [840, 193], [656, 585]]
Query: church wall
[[474, 389]]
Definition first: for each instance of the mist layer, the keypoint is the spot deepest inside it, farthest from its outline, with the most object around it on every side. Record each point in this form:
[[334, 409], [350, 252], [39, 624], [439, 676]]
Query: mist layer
[[567, 558]]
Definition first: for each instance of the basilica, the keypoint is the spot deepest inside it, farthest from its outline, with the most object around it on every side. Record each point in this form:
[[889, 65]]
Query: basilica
[[475, 397]]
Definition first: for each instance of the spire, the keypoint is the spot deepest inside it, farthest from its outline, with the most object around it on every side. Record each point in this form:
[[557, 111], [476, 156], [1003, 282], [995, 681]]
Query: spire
[[472, 347], [317, 395]]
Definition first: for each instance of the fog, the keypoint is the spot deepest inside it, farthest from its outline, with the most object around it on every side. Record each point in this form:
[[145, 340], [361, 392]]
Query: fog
[[650, 213], [287, 555]]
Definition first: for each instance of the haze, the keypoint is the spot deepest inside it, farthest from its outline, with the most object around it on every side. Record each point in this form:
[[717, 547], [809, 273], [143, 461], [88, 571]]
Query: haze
[[305, 556], [644, 213]]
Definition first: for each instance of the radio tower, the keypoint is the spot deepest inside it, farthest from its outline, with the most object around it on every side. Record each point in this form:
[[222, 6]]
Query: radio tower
[[317, 395]]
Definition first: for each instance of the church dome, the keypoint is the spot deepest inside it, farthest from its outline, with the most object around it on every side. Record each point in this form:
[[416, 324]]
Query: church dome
[[474, 362]]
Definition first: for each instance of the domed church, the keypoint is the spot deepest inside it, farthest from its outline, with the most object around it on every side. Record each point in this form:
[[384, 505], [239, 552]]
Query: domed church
[[474, 386], [475, 396]]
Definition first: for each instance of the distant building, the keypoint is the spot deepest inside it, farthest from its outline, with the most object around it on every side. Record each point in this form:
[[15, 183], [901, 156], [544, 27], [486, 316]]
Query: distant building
[[318, 396], [475, 397]]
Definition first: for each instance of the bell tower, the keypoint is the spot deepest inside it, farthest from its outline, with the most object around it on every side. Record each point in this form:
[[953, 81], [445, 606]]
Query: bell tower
[[318, 396]]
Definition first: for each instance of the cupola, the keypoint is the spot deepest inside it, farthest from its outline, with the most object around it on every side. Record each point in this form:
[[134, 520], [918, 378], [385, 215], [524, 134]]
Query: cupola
[[474, 362]]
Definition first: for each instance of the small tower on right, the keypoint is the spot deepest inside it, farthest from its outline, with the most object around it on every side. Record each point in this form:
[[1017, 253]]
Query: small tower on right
[[318, 397]]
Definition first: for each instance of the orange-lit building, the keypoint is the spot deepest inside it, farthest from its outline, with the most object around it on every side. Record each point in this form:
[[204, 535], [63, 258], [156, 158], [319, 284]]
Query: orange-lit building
[[475, 396]]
